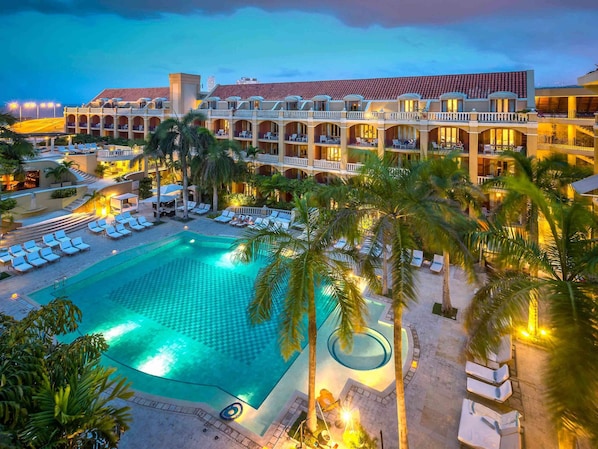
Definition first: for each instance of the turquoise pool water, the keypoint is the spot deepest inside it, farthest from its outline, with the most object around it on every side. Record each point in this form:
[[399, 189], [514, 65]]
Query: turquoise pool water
[[174, 316]]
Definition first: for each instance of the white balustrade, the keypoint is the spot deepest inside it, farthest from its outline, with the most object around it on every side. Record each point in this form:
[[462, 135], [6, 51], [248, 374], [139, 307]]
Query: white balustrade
[[327, 165], [353, 167], [299, 161], [271, 158]]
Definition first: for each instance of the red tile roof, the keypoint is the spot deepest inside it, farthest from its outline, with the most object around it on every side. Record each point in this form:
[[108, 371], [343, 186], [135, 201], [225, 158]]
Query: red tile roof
[[135, 93], [478, 85]]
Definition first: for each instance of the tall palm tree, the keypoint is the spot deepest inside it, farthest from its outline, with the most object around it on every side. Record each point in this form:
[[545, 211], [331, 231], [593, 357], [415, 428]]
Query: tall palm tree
[[218, 162], [400, 210], [181, 136], [296, 266], [562, 271], [552, 176], [450, 181]]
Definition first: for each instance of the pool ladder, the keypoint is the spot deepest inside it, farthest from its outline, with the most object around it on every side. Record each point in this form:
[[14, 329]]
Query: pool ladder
[[59, 286]]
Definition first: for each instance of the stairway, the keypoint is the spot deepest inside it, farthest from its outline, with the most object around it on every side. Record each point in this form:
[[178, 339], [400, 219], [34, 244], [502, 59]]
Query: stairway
[[79, 201], [67, 223], [87, 178]]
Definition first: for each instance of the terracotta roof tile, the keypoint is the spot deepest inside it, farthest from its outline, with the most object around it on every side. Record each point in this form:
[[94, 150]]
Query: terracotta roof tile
[[135, 93], [429, 87]]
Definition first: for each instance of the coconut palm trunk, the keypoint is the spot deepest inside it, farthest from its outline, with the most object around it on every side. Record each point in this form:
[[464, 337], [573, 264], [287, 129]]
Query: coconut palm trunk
[[446, 280], [312, 335], [399, 380]]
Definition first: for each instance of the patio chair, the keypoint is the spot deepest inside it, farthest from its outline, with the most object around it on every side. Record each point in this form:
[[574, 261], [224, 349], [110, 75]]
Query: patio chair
[[225, 217], [134, 224], [50, 241], [417, 258], [94, 227], [484, 428], [30, 246], [498, 394], [323, 139], [488, 149], [102, 223], [437, 264], [396, 143], [80, 244], [17, 251], [35, 259], [190, 205], [120, 228], [143, 222], [112, 233], [488, 375], [67, 248], [5, 257], [19, 264], [61, 236], [49, 255]]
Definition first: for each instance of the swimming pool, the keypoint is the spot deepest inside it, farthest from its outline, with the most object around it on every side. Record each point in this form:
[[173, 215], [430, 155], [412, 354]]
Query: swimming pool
[[174, 315]]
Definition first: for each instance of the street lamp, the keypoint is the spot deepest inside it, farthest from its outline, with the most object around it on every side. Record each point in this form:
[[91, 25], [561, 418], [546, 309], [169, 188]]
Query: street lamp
[[14, 105], [31, 105]]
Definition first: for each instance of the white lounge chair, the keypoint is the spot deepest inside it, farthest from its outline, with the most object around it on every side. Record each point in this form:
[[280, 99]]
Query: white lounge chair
[[19, 264], [225, 217], [94, 227], [67, 248], [35, 260], [190, 205], [80, 244], [437, 263], [259, 223], [50, 241], [17, 251], [112, 233], [31, 247], [503, 353], [489, 375], [134, 224], [143, 222], [120, 228], [498, 394], [483, 428], [49, 255], [417, 259], [61, 236]]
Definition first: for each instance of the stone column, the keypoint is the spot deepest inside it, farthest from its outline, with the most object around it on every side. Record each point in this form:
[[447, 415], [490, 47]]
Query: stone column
[[532, 134], [311, 130]]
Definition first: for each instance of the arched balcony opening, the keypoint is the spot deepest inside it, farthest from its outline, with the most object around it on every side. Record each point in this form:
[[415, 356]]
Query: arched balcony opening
[[71, 121], [327, 134], [401, 137], [154, 122], [295, 132], [363, 135], [243, 130], [138, 126]]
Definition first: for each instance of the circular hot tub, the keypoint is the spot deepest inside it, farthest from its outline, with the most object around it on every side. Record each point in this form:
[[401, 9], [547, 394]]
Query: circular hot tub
[[370, 350]]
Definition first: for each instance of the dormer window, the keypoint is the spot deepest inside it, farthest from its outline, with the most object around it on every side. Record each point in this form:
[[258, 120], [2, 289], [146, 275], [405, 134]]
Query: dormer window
[[292, 102], [212, 102], [409, 102], [255, 103], [233, 102], [452, 102], [353, 102], [321, 102], [502, 101]]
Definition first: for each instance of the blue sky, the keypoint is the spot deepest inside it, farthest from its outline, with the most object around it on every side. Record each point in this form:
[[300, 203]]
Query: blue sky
[[67, 51]]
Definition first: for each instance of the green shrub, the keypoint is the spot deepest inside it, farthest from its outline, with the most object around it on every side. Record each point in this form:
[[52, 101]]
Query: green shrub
[[63, 193]]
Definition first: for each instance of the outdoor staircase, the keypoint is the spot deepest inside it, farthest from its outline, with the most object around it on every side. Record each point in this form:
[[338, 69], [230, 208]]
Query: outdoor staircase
[[87, 178], [67, 223], [72, 207]]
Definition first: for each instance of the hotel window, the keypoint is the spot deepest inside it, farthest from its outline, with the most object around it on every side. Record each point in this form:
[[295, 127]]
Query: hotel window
[[320, 105], [452, 105], [334, 154], [255, 105], [502, 105], [232, 105], [353, 105], [501, 138], [408, 105], [366, 131], [448, 135]]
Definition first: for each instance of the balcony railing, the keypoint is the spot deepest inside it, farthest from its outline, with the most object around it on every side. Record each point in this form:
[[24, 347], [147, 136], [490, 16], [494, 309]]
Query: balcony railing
[[354, 167], [327, 165], [269, 158], [501, 117], [298, 161], [118, 154]]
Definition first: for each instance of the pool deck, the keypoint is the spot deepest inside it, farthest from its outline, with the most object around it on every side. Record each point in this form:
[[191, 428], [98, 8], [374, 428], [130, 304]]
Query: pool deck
[[434, 389]]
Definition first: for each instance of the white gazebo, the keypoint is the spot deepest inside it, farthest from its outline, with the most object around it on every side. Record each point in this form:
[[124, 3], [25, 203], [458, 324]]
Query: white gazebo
[[124, 202]]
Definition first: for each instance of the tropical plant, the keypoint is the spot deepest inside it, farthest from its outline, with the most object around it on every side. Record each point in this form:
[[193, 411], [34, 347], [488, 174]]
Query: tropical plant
[[59, 171], [181, 136], [561, 270], [399, 211], [553, 176], [56, 394], [216, 163], [296, 266]]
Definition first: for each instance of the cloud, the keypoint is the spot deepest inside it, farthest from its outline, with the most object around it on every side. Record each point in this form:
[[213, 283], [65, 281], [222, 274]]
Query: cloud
[[356, 13]]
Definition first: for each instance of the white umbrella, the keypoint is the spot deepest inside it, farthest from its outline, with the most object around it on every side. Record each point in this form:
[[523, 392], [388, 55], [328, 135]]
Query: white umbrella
[[164, 198], [168, 189]]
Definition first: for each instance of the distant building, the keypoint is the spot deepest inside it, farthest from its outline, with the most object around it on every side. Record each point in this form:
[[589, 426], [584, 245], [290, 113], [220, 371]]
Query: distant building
[[247, 80]]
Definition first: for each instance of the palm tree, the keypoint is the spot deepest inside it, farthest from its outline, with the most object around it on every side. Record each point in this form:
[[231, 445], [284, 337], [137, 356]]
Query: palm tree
[[552, 176], [451, 182], [400, 211], [60, 170], [296, 266], [562, 271], [181, 136], [218, 162]]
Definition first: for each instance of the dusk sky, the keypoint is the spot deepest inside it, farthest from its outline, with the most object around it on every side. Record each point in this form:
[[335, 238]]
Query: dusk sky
[[67, 51]]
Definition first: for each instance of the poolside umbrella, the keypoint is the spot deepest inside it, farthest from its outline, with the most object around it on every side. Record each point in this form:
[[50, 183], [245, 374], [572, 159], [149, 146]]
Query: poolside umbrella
[[164, 198], [168, 189]]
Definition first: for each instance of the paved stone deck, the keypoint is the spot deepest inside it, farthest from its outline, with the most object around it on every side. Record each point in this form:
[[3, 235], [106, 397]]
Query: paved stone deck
[[434, 390]]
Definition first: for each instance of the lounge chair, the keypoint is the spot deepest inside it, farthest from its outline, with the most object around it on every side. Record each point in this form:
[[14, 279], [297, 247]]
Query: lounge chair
[[17, 251], [417, 259], [483, 428], [94, 227], [61, 236], [67, 248], [437, 263], [488, 375], [31, 247], [259, 223], [134, 224], [190, 205], [143, 222], [112, 233], [50, 241], [80, 244], [19, 264], [49, 255], [120, 228], [102, 223], [225, 217], [35, 259], [5, 257], [502, 354], [497, 394]]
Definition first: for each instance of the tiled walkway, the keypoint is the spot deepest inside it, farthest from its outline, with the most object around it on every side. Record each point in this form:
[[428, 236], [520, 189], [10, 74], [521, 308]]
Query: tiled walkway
[[434, 391]]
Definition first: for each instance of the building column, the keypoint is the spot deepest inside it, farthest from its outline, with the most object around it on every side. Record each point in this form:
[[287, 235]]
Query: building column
[[424, 141], [146, 132], [102, 118], [596, 143], [473, 156], [381, 142], [532, 134], [571, 107], [77, 118], [311, 147]]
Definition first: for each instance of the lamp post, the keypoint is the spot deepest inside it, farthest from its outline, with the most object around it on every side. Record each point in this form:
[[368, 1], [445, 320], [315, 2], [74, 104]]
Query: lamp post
[[14, 105], [31, 105]]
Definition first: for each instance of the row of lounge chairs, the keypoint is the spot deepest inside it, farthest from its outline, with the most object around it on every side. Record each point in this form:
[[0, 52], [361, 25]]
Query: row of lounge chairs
[[117, 229], [417, 260]]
